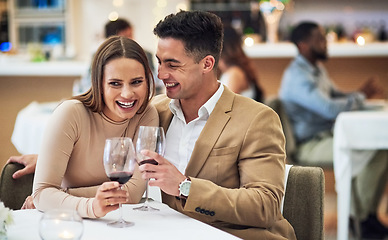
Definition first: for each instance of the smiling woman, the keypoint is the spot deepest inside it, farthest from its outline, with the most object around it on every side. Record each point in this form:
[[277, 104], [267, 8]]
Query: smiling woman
[[124, 88], [69, 172]]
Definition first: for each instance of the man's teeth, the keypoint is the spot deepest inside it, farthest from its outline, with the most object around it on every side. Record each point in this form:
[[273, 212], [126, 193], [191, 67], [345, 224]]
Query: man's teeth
[[171, 84], [126, 104]]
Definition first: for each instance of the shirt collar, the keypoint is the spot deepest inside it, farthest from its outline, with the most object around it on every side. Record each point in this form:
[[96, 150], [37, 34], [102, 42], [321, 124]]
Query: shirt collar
[[204, 111], [315, 70]]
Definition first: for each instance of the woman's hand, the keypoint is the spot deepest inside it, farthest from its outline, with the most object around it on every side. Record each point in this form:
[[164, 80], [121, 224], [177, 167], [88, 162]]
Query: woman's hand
[[28, 203], [29, 162], [108, 197]]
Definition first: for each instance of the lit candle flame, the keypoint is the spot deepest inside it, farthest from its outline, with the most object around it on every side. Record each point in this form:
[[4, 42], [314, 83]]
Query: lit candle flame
[[66, 235]]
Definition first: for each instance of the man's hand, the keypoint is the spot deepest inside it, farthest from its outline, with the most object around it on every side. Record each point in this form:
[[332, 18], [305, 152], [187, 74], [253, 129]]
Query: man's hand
[[29, 162], [372, 88], [108, 197], [166, 175]]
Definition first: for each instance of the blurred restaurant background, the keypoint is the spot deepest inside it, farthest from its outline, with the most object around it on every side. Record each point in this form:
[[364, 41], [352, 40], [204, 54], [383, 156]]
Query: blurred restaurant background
[[46, 45]]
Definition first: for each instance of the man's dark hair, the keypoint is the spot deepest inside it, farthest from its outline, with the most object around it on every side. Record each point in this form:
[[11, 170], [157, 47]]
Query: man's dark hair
[[112, 28], [201, 32], [302, 32]]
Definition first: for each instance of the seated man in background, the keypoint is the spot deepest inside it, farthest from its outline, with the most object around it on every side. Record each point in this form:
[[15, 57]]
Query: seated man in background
[[313, 103]]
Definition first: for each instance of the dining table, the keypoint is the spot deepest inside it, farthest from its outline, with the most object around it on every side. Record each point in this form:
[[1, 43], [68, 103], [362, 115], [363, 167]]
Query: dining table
[[30, 124], [358, 135], [164, 224]]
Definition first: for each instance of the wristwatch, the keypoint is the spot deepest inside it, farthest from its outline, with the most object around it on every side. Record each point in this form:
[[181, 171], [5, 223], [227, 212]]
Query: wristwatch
[[184, 188]]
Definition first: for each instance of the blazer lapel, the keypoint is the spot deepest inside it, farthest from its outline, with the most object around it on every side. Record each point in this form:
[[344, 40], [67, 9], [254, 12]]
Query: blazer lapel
[[161, 102], [210, 133]]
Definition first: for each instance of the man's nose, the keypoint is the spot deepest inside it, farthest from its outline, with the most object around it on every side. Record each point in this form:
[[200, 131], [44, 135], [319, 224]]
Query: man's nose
[[162, 73]]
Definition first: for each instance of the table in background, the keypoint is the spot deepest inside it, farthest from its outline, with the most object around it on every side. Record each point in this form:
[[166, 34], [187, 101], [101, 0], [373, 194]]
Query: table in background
[[357, 137], [29, 127], [164, 224]]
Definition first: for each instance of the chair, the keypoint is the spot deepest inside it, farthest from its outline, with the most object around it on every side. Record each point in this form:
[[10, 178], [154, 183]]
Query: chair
[[13, 192], [291, 143], [304, 201], [291, 146]]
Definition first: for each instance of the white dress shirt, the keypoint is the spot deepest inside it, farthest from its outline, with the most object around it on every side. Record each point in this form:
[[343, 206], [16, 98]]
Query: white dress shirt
[[181, 136]]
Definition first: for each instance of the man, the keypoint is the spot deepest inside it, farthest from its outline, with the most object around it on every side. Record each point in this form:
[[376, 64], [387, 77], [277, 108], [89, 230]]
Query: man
[[225, 158], [313, 103], [224, 151]]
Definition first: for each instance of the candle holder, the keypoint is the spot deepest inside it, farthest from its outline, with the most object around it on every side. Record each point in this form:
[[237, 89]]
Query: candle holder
[[60, 224]]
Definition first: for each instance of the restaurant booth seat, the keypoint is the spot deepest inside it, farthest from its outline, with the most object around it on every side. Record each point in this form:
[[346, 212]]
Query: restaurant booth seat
[[13, 192], [303, 203]]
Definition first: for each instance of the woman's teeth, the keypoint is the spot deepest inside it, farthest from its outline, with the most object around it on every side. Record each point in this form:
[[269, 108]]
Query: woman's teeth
[[126, 104]]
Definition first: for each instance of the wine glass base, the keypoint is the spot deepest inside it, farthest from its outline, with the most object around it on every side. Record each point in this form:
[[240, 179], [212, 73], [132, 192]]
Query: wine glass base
[[120, 224], [146, 208]]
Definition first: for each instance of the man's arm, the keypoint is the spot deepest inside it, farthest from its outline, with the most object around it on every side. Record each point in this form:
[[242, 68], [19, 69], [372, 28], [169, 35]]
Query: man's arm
[[29, 162]]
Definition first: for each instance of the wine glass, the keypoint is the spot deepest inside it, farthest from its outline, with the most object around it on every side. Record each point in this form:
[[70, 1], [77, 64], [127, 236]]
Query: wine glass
[[119, 164], [153, 139]]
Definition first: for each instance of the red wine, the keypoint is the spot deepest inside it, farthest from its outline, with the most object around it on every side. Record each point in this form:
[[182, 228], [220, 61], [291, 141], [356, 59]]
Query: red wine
[[150, 161], [121, 177]]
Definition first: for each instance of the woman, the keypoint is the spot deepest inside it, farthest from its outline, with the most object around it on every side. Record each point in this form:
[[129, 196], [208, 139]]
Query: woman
[[236, 69], [69, 171]]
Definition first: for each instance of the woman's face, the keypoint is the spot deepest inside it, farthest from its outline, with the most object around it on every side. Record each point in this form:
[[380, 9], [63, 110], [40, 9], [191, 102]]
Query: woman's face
[[124, 88]]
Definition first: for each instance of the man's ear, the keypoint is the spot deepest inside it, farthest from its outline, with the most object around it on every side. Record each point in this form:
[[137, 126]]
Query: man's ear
[[303, 47], [208, 63]]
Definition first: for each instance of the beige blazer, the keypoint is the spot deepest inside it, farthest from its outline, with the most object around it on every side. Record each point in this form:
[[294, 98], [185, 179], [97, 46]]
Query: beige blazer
[[236, 168]]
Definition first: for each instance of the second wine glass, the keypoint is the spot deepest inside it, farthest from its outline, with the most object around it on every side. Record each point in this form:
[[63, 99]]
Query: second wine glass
[[153, 139]]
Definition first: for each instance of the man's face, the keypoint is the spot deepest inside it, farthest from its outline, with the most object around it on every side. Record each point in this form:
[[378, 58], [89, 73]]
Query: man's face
[[318, 44], [182, 77]]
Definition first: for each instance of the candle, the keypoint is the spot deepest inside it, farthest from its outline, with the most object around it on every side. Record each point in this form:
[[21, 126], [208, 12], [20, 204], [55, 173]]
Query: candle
[[66, 235]]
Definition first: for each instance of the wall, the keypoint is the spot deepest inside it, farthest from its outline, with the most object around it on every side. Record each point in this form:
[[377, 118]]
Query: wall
[[144, 15], [347, 73], [16, 93], [352, 14]]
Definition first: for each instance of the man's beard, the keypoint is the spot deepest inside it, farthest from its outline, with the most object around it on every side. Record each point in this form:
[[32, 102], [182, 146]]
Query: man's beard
[[320, 55]]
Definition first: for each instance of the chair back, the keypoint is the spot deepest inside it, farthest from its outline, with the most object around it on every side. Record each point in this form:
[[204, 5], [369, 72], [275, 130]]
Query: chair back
[[291, 145], [13, 192], [304, 202]]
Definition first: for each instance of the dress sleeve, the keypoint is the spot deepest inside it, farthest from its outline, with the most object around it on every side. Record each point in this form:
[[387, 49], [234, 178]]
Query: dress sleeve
[[60, 135]]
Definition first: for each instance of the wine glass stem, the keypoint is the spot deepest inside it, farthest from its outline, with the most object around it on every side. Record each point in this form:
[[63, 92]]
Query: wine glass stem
[[146, 196], [121, 209]]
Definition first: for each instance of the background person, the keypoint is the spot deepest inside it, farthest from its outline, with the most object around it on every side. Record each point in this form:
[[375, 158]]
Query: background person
[[237, 71], [313, 102]]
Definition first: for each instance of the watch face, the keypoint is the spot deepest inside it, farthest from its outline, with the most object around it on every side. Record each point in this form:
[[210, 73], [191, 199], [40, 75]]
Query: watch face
[[185, 188]]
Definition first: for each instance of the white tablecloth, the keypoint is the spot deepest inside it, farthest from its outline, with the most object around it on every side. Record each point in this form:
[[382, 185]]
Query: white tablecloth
[[164, 224], [29, 127], [357, 136]]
